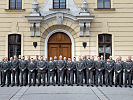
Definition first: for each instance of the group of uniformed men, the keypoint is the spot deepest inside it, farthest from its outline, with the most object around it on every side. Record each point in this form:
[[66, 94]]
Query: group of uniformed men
[[84, 71]]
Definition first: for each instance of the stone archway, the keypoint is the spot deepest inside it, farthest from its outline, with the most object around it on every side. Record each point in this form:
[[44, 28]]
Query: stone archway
[[67, 34]]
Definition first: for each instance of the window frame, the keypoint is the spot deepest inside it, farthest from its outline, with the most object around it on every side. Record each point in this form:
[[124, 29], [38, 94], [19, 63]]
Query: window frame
[[104, 43], [15, 44], [59, 5], [16, 8], [104, 5]]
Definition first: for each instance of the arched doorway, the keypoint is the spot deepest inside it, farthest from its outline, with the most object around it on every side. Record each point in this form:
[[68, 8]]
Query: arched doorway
[[59, 44]]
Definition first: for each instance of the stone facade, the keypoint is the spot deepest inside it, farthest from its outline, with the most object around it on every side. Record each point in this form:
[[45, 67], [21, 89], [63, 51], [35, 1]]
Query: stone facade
[[117, 21]]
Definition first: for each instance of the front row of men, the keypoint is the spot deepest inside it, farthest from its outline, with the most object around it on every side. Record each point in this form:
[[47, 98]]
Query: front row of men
[[75, 72]]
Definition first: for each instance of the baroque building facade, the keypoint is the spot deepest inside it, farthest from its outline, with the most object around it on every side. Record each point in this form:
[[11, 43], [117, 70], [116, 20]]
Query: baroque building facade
[[66, 27]]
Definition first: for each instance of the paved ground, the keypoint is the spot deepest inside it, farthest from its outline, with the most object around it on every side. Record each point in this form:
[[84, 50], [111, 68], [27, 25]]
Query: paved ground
[[66, 93]]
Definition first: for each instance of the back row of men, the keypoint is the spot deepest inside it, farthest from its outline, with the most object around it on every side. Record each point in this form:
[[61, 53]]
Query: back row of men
[[84, 71]]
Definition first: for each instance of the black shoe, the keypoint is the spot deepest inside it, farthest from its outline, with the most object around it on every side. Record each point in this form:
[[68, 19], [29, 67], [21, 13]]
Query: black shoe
[[2, 85], [92, 85], [8, 85], [120, 86], [106, 85], [38, 84], [48, 85], [81, 84], [34, 85], [17, 85], [71, 84], [12, 85], [115, 85], [77, 84], [96, 85], [110, 85], [29, 85], [87, 85], [53, 84], [101, 85], [58, 84], [130, 86], [125, 85], [62, 84], [43, 84]]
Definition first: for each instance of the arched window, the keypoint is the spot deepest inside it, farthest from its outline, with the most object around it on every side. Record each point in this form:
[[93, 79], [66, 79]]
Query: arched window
[[14, 45], [105, 45], [104, 3], [15, 4], [59, 4]]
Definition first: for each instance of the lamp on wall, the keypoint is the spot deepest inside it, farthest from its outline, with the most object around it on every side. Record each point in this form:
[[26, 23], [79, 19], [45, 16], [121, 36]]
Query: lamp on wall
[[35, 44], [84, 44]]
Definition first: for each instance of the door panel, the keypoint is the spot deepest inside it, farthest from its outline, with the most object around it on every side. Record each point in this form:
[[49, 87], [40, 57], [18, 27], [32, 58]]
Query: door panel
[[59, 44]]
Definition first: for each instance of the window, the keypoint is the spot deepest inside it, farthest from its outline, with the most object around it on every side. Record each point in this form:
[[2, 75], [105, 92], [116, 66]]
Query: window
[[15, 4], [59, 4], [105, 45], [14, 45], [104, 3]]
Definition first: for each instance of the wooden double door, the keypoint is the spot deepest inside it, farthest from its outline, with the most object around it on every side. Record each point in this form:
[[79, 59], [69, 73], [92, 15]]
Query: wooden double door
[[59, 44]]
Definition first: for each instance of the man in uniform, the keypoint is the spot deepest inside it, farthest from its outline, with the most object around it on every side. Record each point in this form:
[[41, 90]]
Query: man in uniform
[[118, 73], [60, 67], [69, 67], [27, 71], [89, 70], [74, 70], [23, 67], [56, 72], [84, 69], [108, 72], [36, 62], [123, 64], [1, 69], [10, 64], [103, 61], [32, 69], [65, 70], [51, 71], [5, 72], [112, 62], [41, 66], [99, 71], [80, 66], [94, 71], [15, 71], [128, 72]]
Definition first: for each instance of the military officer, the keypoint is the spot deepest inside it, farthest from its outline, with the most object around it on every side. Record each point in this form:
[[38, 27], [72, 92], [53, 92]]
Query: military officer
[[10, 64], [27, 71], [74, 70], [23, 67], [1, 69], [108, 72], [123, 64], [94, 71], [65, 70], [118, 73], [84, 69], [41, 66], [89, 70], [60, 67], [113, 62], [32, 69], [5, 72], [128, 72], [56, 72], [103, 61], [36, 62], [80, 66], [51, 71], [69, 67], [99, 71], [15, 71]]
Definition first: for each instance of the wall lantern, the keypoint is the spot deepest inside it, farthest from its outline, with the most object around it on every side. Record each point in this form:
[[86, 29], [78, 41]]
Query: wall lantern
[[35, 44], [84, 44]]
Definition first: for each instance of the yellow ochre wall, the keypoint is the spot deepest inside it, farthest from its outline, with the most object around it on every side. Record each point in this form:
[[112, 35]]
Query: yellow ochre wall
[[118, 22]]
